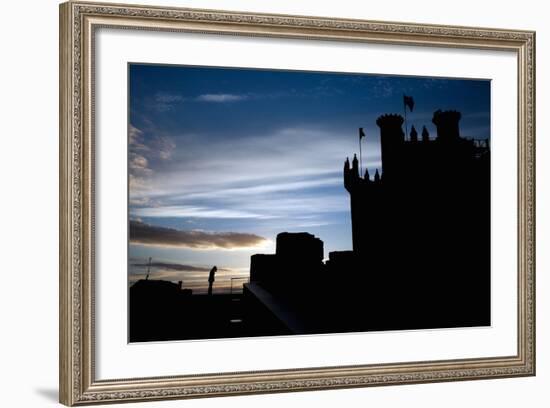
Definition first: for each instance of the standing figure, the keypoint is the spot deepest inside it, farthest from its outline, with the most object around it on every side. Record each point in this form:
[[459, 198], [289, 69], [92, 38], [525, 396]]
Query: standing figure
[[211, 279]]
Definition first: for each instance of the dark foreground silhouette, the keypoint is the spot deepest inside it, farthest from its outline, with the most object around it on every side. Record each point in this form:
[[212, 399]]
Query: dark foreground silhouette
[[420, 257]]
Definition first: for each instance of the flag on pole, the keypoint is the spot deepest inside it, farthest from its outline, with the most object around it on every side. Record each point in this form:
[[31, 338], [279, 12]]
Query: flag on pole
[[408, 101], [361, 133]]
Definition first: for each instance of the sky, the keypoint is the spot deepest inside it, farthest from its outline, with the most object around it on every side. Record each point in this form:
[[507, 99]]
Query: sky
[[221, 160]]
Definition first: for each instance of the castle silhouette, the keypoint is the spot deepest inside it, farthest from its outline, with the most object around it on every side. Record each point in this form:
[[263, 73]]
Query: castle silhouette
[[421, 244], [420, 256]]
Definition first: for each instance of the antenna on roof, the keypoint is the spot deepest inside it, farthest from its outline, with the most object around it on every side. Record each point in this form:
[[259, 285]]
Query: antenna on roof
[[148, 268]]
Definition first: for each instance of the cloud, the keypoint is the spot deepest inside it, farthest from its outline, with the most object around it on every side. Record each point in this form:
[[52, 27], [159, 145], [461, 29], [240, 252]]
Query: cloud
[[155, 147], [141, 201], [261, 208], [221, 98], [164, 146], [134, 135], [196, 212], [175, 267], [164, 102], [139, 164], [168, 98], [274, 187], [276, 177], [146, 234], [279, 159], [141, 153]]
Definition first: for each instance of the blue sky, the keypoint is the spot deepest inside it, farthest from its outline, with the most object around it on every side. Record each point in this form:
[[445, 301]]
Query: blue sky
[[222, 160]]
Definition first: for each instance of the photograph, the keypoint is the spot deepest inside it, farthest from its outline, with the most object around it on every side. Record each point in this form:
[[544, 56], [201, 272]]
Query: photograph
[[272, 201], [267, 202]]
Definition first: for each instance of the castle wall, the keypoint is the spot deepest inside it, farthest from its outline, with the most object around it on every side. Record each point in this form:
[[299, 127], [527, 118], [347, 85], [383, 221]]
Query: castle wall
[[426, 223]]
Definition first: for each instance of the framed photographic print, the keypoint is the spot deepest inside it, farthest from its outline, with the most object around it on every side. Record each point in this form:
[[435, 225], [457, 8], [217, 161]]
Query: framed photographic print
[[262, 203]]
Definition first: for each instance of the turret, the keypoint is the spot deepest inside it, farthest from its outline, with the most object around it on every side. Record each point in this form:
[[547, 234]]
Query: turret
[[414, 135], [367, 175], [351, 174], [391, 140], [425, 134], [376, 176], [446, 123], [355, 166], [347, 173]]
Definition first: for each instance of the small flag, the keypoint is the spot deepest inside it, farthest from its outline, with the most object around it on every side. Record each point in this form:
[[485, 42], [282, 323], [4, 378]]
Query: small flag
[[361, 133], [408, 101]]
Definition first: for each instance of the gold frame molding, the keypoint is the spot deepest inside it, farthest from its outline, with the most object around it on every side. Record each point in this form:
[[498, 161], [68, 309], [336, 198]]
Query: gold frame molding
[[78, 22]]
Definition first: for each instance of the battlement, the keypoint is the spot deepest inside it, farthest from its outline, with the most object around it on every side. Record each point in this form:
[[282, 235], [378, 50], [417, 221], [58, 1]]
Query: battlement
[[446, 123], [353, 180], [390, 120], [441, 117]]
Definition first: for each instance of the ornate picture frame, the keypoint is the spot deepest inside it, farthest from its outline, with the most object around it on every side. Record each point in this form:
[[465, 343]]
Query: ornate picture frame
[[79, 22]]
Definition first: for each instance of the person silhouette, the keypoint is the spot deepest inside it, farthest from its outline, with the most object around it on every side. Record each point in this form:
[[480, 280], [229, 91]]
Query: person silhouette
[[211, 279]]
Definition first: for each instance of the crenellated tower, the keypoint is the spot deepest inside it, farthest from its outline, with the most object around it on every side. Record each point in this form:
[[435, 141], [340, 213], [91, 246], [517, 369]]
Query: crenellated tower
[[420, 233], [420, 180], [446, 123], [392, 139]]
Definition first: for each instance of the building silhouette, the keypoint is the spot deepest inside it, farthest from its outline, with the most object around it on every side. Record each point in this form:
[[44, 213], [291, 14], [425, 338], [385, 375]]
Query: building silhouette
[[421, 243], [420, 256], [298, 259]]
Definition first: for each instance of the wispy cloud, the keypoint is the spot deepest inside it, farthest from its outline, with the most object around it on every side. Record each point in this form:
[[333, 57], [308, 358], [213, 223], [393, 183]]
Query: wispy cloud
[[141, 154], [221, 98], [261, 188], [269, 177], [184, 211], [280, 159], [261, 156], [138, 164], [165, 102], [163, 97], [175, 267], [145, 234], [164, 146], [135, 136]]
